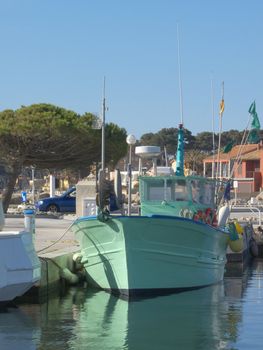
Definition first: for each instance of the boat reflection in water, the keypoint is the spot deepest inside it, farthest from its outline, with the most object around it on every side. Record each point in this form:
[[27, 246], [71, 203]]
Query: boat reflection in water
[[223, 316], [200, 319]]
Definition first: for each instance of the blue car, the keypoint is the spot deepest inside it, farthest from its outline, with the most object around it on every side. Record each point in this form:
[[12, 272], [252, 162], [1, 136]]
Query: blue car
[[66, 203]]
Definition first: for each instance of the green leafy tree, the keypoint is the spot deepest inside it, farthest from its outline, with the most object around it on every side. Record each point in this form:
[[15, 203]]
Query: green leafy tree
[[48, 136], [234, 136], [167, 137], [204, 141]]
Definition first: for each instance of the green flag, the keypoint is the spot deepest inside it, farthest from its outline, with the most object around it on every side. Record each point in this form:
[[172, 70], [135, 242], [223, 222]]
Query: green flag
[[255, 122], [228, 147], [252, 108]]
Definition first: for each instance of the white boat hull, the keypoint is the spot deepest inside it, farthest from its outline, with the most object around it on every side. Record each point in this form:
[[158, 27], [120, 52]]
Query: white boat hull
[[19, 264]]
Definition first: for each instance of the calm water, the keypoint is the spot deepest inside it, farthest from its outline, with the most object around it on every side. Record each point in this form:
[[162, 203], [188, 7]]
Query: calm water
[[225, 316]]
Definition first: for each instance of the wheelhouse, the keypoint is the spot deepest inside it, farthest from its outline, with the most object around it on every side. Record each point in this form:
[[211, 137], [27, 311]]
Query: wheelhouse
[[168, 195]]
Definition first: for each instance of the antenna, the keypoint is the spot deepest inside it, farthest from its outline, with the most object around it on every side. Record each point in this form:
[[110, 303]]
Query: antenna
[[222, 108], [180, 144], [213, 125], [103, 128], [179, 72]]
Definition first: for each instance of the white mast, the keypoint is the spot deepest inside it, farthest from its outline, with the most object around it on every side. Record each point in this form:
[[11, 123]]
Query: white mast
[[180, 144], [213, 126], [222, 108], [179, 74], [103, 129]]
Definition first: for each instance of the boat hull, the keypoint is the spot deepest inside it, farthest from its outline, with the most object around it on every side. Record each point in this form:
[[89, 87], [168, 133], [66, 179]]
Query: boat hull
[[137, 256], [19, 265]]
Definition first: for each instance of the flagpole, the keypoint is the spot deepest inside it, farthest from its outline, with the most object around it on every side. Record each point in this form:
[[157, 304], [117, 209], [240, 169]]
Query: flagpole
[[222, 107], [213, 127], [103, 128], [238, 160]]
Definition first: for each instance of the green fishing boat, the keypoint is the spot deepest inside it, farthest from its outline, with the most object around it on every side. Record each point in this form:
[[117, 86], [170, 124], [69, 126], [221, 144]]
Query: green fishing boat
[[173, 244]]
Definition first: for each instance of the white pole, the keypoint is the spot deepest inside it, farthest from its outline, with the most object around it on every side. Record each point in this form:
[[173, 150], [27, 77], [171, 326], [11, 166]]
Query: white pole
[[29, 222], [51, 185], [129, 180], [140, 166], [165, 155], [213, 127], [219, 146], [220, 131], [131, 140], [33, 184], [103, 129], [179, 74]]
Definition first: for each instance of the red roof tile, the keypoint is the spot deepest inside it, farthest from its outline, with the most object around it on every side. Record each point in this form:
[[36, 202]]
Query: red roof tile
[[250, 151]]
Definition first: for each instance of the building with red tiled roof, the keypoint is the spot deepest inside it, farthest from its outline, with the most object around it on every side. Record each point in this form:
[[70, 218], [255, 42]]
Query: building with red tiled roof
[[243, 163]]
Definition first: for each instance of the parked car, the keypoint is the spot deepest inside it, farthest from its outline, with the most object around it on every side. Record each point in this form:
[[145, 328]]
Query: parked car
[[66, 203]]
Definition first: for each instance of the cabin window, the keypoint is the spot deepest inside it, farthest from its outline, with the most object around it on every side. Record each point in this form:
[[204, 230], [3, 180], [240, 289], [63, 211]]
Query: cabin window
[[180, 191], [202, 192], [196, 191], [168, 190], [158, 192], [209, 191], [197, 188]]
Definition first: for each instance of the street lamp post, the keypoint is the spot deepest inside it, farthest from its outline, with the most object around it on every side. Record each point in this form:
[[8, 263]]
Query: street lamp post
[[131, 140], [33, 184]]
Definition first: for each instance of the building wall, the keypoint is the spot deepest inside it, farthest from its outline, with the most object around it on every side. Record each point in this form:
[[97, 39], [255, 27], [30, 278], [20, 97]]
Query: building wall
[[261, 164], [257, 182]]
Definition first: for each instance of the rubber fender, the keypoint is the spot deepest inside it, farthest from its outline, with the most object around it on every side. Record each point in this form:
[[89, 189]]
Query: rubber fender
[[239, 228], [237, 245], [69, 276], [223, 215]]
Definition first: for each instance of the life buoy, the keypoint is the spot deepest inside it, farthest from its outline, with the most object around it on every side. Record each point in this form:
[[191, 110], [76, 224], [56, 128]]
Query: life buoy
[[195, 217], [199, 216], [186, 213]]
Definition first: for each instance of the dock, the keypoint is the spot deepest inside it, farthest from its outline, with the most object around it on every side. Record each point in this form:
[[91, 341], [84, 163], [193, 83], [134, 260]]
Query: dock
[[55, 245]]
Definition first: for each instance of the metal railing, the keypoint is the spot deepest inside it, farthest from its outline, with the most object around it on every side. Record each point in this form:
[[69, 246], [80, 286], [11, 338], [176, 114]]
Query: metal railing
[[249, 208]]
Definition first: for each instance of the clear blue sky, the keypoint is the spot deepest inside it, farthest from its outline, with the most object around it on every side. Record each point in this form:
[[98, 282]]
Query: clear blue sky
[[57, 51]]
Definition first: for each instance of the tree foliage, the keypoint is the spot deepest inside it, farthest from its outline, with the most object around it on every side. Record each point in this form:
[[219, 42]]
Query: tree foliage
[[167, 137], [202, 141], [47, 136], [197, 147]]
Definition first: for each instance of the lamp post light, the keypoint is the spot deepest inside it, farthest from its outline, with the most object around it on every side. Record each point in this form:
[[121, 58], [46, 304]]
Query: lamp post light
[[131, 140]]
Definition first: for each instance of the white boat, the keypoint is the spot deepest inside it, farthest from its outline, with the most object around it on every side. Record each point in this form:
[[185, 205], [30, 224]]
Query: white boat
[[19, 264]]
